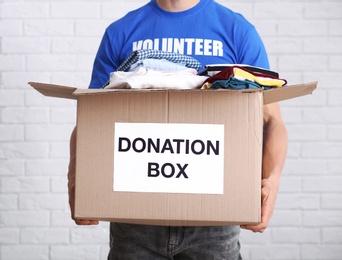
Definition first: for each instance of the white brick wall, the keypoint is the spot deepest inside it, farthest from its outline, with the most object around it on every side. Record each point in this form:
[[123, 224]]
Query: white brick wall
[[55, 41]]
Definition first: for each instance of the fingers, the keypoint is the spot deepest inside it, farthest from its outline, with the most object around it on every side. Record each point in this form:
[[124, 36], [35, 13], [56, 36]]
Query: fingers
[[260, 228], [81, 222], [266, 209], [86, 222], [256, 229]]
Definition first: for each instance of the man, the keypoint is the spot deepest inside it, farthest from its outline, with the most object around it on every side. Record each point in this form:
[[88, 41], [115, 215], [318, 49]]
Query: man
[[210, 33]]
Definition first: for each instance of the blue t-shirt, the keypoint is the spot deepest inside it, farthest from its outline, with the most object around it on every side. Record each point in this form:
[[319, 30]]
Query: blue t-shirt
[[209, 32]]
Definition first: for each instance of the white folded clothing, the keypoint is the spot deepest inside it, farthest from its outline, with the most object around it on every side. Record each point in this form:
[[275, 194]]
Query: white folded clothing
[[147, 79]]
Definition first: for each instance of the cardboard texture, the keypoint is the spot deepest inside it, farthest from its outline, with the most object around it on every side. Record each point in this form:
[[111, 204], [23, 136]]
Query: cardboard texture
[[241, 113]]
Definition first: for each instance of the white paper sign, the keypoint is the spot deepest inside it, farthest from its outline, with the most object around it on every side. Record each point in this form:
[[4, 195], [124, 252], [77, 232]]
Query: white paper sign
[[170, 158]]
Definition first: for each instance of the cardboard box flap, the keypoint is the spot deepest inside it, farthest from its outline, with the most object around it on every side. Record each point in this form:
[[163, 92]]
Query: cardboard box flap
[[270, 96], [81, 92], [288, 92], [52, 90]]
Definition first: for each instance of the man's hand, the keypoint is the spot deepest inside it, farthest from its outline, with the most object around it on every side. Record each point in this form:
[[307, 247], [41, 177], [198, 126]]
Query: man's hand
[[71, 183], [269, 192], [72, 209], [273, 159]]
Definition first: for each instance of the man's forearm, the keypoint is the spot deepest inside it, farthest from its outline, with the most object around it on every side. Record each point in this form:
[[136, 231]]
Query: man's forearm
[[275, 145], [274, 155], [72, 163]]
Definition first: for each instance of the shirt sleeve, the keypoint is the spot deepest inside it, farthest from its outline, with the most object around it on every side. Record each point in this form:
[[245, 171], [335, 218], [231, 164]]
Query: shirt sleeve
[[252, 51], [104, 63]]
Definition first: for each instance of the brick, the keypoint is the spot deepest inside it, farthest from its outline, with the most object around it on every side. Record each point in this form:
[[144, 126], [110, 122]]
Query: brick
[[8, 202], [35, 99], [326, 80], [12, 62], [281, 45], [333, 65], [25, 45], [21, 115], [11, 133], [278, 11], [11, 28], [19, 80], [312, 62], [292, 115], [335, 133], [266, 28], [327, 252], [24, 184], [307, 132], [332, 201], [75, 45], [59, 185], [62, 219], [273, 60], [332, 235], [86, 252], [335, 98], [323, 45], [11, 98], [293, 150], [44, 236], [323, 10], [75, 10], [48, 27], [63, 115], [290, 184], [335, 166], [322, 115], [47, 167], [286, 218], [298, 201], [9, 236], [104, 252], [322, 184], [51, 62], [296, 235], [305, 167], [11, 167], [244, 9], [25, 252], [334, 27], [43, 201], [91, 28], [113, 11], [322, 150], [322, 218], [292, 77], [48, 132], [305, 101], [92, 235], [300, 28], [24, 218], [84, 62], [60, 150], [25, 10], [78, 79], [24, 150]]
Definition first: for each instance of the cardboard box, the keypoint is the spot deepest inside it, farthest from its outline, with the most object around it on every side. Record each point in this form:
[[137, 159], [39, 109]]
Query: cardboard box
[[170, 157]]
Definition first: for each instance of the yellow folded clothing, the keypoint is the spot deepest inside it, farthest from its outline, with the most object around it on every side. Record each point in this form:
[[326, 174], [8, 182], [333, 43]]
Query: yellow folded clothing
[[264, 81]]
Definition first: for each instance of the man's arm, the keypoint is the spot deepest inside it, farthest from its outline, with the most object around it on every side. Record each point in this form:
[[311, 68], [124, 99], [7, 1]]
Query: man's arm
[[274, 155], [71, 182]]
